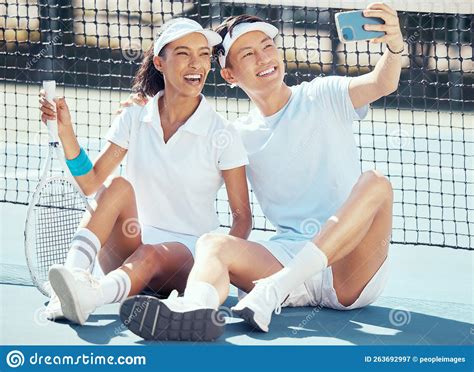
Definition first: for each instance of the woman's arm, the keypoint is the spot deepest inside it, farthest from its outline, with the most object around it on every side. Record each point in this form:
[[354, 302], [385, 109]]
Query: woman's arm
[[109, 159], [238, 195]]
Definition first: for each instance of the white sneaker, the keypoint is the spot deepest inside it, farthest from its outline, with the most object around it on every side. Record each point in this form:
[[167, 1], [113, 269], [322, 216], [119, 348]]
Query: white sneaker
[[256, 307], [53, 310], [175, 318], [77, 290]]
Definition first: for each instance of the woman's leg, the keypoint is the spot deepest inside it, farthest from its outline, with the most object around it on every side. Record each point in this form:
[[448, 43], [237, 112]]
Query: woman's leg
[[159, 267], [113, 224], [162, 267]]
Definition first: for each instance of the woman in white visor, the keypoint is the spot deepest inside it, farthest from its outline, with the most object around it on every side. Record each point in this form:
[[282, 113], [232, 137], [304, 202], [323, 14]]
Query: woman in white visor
[[179, 153]]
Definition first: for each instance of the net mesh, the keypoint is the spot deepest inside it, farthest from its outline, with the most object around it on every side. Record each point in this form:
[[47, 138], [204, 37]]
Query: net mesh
[[420, 135]]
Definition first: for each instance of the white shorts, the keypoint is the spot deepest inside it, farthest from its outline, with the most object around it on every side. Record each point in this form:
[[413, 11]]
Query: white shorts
[[319, 290], [154, 235]]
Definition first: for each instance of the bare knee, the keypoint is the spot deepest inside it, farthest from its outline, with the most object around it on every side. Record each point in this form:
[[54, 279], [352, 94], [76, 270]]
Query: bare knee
[[376, 185], [117, 187], [211, 244], [150, 255], [118, 183]]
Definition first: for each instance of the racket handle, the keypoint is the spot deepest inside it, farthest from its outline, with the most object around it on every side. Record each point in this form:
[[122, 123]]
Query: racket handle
[[50, 89]]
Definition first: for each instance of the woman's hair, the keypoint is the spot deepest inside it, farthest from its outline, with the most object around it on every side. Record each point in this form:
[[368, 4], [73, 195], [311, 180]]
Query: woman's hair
[[228, 26], [148, 80]]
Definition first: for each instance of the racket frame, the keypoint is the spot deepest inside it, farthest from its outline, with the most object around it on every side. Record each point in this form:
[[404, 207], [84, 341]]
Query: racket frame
[[54, 149]]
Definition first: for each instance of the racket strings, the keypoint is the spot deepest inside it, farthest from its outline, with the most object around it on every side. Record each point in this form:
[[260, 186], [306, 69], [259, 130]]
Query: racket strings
[[58, 212]]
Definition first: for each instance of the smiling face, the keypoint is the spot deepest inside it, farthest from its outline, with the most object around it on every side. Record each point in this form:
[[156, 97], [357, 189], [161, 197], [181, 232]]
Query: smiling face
[[254, 64], [185, 64]]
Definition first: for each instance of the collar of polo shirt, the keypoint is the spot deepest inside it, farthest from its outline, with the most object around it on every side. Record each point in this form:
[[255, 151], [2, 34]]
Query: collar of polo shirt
[[197, 123]]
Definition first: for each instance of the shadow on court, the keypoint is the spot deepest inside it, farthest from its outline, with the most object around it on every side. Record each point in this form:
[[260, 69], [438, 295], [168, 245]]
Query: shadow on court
[[373, 325], [390, 321], [95, 333], [368, 326]]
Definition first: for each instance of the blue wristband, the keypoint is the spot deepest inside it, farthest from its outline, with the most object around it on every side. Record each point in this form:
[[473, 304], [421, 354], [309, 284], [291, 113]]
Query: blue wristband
[[80, 165]]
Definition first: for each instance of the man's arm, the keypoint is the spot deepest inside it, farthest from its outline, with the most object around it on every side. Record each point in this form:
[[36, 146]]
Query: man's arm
[[383, 80]]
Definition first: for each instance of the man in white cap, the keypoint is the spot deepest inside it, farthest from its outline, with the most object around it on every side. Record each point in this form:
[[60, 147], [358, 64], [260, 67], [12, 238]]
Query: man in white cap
[[333, 223]]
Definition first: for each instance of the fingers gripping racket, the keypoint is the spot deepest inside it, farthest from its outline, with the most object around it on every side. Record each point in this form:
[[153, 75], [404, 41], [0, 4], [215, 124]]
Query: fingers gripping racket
[[55, 211]]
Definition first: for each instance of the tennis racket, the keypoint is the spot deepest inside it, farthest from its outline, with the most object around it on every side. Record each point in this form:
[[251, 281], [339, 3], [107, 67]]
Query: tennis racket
[[55, 210]]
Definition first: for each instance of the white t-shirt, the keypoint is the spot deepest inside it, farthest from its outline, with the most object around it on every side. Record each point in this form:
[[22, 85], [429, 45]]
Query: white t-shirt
[[176, 183], [303, 159]]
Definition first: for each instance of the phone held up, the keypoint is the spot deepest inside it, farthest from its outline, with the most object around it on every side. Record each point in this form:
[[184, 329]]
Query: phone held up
[[350, 26]]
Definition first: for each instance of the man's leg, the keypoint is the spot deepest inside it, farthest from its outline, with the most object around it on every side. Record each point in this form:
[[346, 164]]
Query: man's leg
[[224, 259], [354, 242], [357, 238], [220, 260]]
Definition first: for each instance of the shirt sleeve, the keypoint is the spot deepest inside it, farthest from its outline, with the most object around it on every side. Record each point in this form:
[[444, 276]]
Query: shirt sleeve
[[119, 131], [233, 153], [334, 92]]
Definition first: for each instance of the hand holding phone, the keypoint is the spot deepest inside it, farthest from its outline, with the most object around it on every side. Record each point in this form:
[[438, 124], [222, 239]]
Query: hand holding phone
[[350, 26]]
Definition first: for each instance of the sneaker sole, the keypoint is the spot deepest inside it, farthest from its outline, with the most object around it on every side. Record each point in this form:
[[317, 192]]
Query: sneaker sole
[[59, 279], [248, 315], [151, 319]]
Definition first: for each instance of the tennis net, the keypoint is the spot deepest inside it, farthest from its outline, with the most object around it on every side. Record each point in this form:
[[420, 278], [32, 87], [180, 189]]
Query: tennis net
[[420, 136]]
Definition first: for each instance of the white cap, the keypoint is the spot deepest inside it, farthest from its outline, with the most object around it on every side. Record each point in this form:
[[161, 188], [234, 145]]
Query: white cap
[[239, 30], [180, 27]]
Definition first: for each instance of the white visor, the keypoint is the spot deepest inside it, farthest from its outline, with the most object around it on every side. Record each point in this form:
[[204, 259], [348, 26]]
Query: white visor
[[239, 30], [180, 27]]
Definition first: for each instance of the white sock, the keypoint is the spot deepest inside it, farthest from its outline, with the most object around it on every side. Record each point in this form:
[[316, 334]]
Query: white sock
[[114, 287], [308, 262], [84, 247], [202, 293]]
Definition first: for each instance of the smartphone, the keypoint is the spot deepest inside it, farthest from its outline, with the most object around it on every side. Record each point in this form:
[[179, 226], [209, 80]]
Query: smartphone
[[350, 26]]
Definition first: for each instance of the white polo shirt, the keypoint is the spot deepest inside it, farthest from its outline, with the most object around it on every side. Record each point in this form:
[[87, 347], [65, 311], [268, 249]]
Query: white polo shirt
[[303, 159], [176, 183]]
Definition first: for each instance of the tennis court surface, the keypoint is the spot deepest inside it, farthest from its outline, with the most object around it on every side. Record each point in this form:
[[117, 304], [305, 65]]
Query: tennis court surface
[[421, 137]]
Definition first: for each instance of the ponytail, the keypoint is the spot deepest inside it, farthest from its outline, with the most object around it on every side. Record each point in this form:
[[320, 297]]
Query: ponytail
[[148, 80]]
